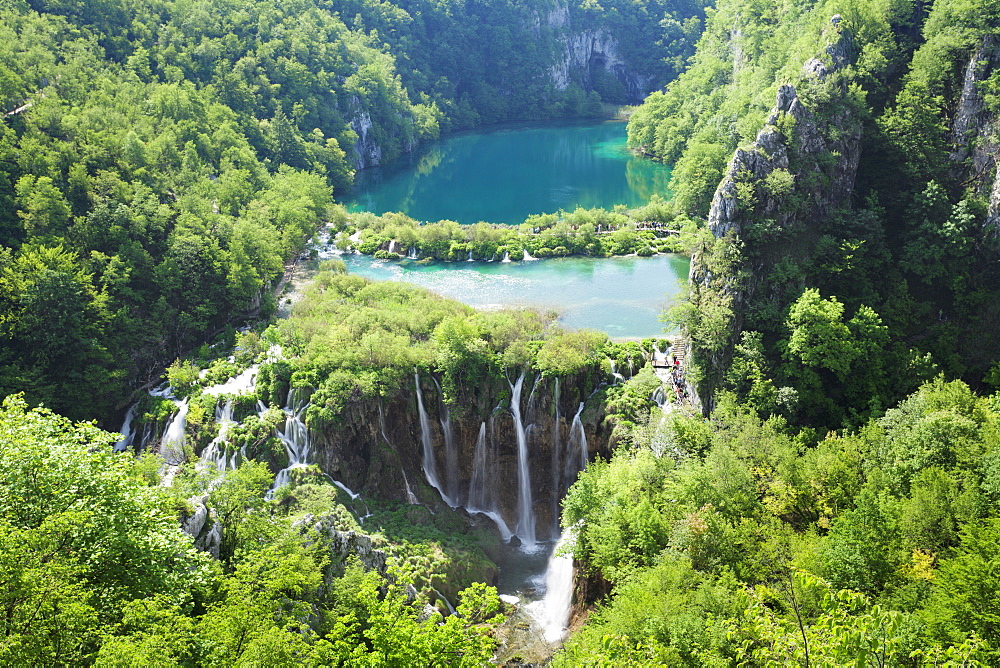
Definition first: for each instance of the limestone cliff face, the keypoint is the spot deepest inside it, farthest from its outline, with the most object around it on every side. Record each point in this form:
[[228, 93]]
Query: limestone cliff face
[[581, 54], [776, 194], [975, 128], [377, 447], [367, 152]]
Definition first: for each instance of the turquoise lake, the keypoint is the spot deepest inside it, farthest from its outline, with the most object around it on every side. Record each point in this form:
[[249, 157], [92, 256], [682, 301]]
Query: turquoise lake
[[622, 296], [504, 175]]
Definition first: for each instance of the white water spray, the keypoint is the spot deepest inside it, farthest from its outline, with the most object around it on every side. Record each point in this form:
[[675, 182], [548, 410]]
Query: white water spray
[[552, 612], [576, 431], [430, 464], [526, 513], [172, 444], [128, 436]]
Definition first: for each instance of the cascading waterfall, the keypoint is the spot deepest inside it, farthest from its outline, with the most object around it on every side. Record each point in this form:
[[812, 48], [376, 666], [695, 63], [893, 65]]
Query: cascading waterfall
[[526, 512], [412, 253], [617, 376], [556, 448], [294, 436], [215, 452], [470, 257], [659, 398], [482, 498], [450, 451], [392, 246], [576, 430], [238, 384], [430, 465], [479, 496], [552, 612], [128, 436], [172, 444]]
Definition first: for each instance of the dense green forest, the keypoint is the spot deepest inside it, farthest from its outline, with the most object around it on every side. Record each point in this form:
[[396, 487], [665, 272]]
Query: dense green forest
[[162, 161], [851, 249], [826, 495]]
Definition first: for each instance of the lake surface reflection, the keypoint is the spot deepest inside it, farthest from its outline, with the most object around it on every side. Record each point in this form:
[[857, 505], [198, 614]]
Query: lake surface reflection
[[506, 174]]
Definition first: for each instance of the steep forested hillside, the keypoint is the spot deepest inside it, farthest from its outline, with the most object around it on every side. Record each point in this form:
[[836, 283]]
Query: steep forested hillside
[[844, 155], [835, 503], [161, 161]]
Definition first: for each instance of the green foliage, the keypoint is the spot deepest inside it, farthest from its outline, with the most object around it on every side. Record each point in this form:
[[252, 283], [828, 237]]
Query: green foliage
[[590, 232], [735, 537], [80, 537]]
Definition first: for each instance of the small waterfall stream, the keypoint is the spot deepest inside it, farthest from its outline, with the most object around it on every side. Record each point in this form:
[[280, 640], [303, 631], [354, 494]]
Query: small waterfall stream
[[128, 436], [215, 452], [429, 462], [172, 444], [294, 436], [450, 451], [556, 454], [482, 495], [577, 431], [411, 498], [526, 511]]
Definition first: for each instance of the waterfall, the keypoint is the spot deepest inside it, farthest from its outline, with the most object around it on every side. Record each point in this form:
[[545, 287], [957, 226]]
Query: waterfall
[[450, 451], [412, 253], [215, 452], [430, 465], [294, 436], [172, 444], [659, 398], [125, 442], [527, 256], [576, 429], [354, 496], [556, 447], [506, 257], [552, 612], [392, 246], [526, 512], [479, 497], [470, 257], [411, 498], [482, 497], [614, 372], [238, 384]]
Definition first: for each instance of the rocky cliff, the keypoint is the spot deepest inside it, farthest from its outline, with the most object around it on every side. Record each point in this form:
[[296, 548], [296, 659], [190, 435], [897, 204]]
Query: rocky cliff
[[775, 197], [378, 447], [975, 144], [584, 54]]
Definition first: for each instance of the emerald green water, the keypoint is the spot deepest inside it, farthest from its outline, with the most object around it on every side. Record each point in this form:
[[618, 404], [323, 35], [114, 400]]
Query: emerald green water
[[505, 175], [622, 296]]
